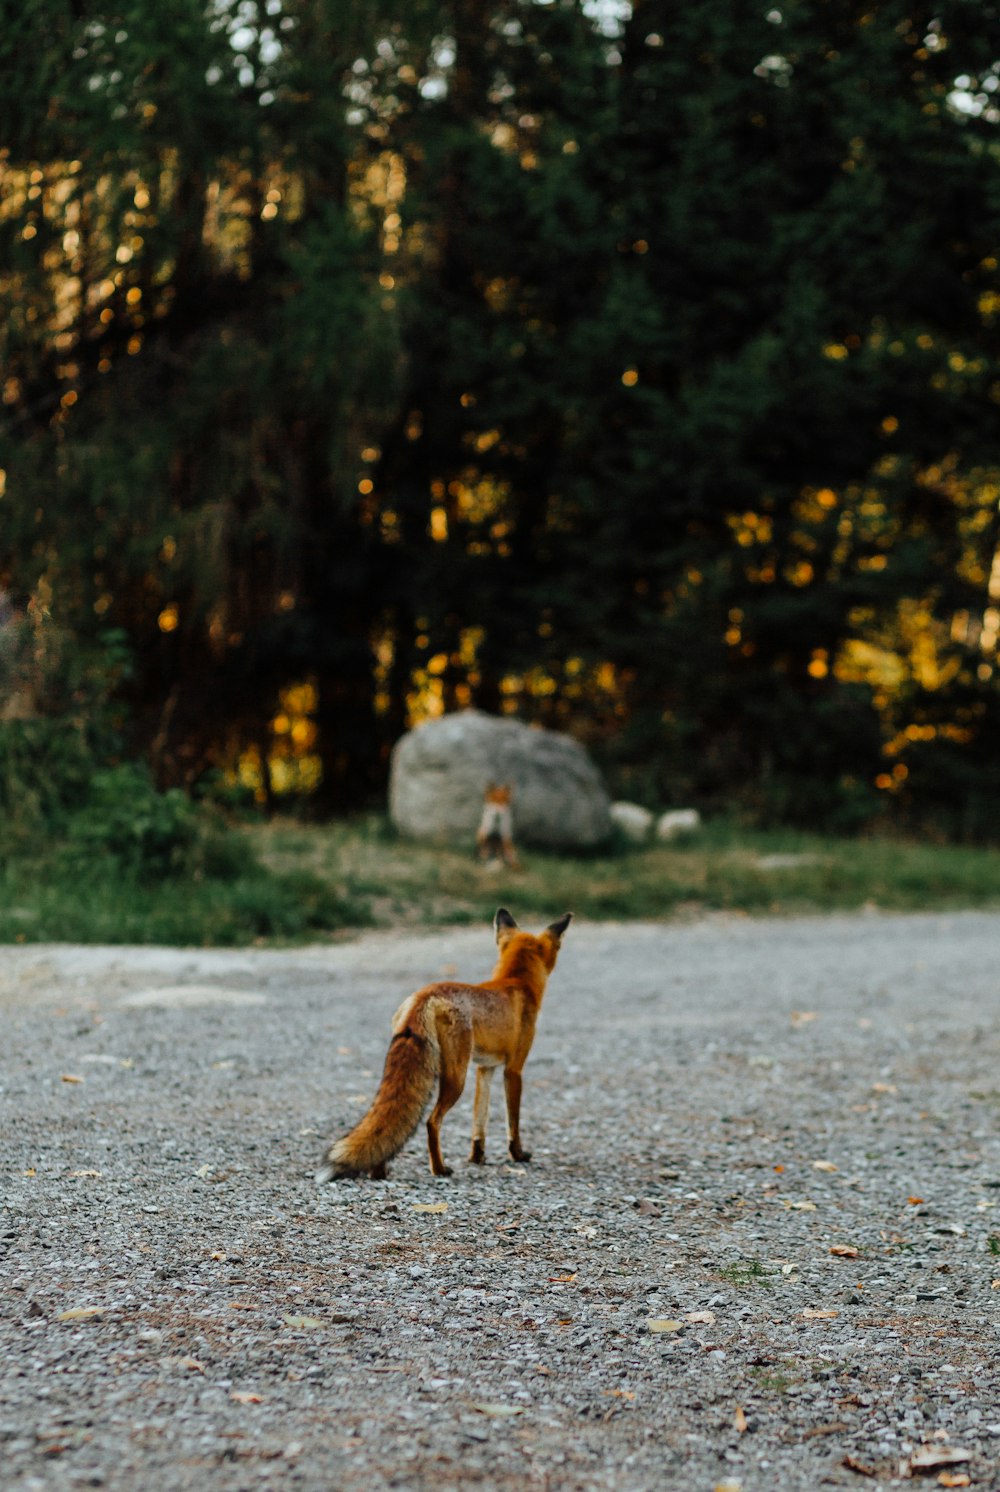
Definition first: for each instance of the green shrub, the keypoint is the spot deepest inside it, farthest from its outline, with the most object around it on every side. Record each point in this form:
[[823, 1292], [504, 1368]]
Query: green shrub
[[148, 833]]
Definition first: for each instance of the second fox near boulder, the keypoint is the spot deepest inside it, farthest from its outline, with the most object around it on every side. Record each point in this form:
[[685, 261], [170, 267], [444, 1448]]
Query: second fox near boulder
[[441, 769]]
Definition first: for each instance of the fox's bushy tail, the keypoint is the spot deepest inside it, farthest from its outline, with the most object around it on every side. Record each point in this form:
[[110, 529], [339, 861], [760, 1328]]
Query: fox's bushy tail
[[411, 1066]]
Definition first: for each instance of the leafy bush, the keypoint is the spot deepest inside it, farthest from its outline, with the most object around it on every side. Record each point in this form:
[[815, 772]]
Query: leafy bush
[[148, 833], [48, 758]]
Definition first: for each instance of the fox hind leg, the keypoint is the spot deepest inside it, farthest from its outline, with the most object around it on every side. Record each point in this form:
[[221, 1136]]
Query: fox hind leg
[[512, 1090], [480, 1115], [456, 1049]]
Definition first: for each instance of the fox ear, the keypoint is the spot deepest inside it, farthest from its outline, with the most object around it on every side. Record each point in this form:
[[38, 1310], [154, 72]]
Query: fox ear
[[503, 925], [555, 930]]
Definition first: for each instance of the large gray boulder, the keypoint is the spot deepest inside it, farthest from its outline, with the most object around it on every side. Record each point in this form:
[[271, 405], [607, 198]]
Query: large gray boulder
[[440, 771]]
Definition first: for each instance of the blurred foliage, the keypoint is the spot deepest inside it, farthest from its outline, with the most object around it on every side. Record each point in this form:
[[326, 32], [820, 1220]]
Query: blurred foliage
[[637, 375]]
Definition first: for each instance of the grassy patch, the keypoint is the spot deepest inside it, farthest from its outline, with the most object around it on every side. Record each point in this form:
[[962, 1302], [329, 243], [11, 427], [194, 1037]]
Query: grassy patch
[[742, 1276], [721, 869], [283, 881], [105, 904], [774, 1380]]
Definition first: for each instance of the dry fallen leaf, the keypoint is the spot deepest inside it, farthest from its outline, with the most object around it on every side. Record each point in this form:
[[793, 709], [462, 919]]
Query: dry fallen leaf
[[430, 1206], [192, 1364], [954, 1479], [86, 1175], [701, 1318], [69, 1077], [618, 1393], [241, 1305], [739, 1421], [861, 1467], [218, 1255], [801, 1206], [81, 1313], [664, 1323], [844, 1251], [811, 1315], [302, 1323], [884, 1088], [238, 1398], [561, 1279], [802, 1017], [824, 1165], [914, 1201], [930, 1457]]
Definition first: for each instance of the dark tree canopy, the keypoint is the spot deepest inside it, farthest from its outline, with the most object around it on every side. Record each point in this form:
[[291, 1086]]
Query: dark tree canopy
[[634, 368]]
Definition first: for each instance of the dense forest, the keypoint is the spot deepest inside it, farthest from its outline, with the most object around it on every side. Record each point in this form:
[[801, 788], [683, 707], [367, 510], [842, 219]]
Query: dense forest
[[630, 368]]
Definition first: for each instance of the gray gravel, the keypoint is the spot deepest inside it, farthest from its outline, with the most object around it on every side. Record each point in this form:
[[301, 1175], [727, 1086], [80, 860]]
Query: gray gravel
[[712, 1108]]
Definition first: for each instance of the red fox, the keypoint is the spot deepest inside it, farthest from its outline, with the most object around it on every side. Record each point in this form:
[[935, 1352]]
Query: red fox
[[435, 1034], [495, 836]]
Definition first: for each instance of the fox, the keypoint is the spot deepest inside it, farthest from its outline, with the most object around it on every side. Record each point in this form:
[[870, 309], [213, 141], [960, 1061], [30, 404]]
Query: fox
[[436, 1032], [495, 836]]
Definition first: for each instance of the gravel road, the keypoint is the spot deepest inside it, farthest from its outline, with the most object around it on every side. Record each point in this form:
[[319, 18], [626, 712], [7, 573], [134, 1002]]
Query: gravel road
[[757, 1246]]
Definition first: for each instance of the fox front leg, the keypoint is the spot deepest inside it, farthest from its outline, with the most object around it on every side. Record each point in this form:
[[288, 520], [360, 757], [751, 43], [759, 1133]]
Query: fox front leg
[[512, 1089], [480, 1114]]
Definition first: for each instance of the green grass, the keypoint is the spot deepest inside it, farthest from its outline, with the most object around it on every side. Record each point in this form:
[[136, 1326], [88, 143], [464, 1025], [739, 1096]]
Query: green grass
[[284, 882], [40, 903], [717, 870], [742, 1276], [774, 1380]]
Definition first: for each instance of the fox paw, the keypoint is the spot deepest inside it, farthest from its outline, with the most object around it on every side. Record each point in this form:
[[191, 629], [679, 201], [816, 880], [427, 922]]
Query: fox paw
[[521, 1156], [477, 1155]]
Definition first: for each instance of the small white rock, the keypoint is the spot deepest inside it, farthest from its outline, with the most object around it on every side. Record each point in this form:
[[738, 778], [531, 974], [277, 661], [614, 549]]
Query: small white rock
[[634, 821], [677, 821]]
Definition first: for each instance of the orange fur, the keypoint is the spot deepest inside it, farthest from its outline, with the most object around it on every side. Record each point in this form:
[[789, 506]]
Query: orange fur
[[436, 1033], [495, 836]]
